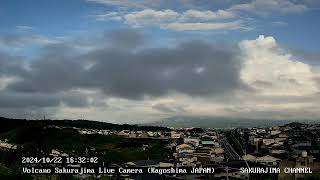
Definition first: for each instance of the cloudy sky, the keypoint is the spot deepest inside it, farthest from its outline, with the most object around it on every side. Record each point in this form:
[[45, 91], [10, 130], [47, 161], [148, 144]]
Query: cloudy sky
[[139, 61]]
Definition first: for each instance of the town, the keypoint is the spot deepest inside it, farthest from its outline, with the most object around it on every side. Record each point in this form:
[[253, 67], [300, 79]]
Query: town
[[290, 151]]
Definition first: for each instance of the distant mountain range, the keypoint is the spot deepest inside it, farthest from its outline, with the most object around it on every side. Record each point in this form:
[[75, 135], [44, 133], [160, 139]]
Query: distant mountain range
[[216, 122], [202, 122], [7, 124]]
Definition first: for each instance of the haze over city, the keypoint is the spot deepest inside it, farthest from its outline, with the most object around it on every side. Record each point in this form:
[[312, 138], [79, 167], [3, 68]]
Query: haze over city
[[125, 61]]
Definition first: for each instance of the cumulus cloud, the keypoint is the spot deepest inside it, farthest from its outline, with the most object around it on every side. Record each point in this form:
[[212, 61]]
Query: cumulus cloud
[[265, 62], [263, 7], [281, 86]]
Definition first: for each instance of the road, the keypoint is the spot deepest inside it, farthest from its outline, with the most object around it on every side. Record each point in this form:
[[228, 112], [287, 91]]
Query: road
[[230, 153]]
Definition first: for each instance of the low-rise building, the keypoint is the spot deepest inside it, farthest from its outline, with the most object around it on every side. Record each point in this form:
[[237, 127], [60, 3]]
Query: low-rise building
[[192, 140], [7, 146], [184, 148], [267, 141], [175, 135], [268, 160], [275, 132]]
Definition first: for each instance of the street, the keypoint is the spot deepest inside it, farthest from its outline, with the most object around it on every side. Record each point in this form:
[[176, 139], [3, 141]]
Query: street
[[230, 153]]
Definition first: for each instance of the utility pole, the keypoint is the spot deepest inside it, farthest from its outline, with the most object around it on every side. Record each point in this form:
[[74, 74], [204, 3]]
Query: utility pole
[[227, 169]]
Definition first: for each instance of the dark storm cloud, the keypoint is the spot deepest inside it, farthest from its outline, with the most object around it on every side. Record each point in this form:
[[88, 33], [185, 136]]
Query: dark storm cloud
[[15, 66], [11, 65], [194, 68], [51, 74], [124, 38], [20, 100]]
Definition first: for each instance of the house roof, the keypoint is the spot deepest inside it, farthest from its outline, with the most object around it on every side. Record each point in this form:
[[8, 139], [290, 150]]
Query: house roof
[[249, 157], [143, 163], [184, 146], [267, 158]]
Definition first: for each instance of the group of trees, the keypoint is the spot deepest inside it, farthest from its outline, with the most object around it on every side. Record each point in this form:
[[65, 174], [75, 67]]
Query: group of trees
[[39, 137]]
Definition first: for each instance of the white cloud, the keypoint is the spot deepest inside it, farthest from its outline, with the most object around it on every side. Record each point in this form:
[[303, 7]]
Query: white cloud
[[115, 16], [150, 17], [206, 15], [204, 26], [125, 3], [24, 28], [157, 13], [189, 20], [279, 23], [274, 72], [263, 7], [158, 4]]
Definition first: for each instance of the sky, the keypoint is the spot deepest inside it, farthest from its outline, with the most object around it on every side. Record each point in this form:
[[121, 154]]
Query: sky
[[125, 61]]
